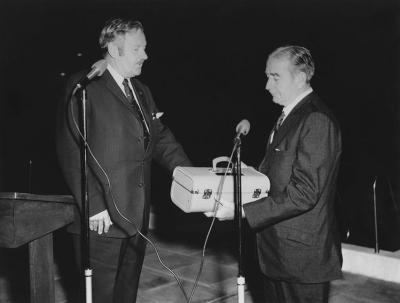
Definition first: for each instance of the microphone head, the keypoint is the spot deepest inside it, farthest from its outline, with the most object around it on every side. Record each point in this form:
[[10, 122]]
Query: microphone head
[[99, 67], [243, 127]]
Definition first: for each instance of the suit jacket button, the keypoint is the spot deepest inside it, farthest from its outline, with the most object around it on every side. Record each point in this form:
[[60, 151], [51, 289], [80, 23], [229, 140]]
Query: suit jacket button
[[140, 184]]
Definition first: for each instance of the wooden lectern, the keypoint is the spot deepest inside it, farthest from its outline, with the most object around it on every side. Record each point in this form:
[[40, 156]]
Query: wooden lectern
[[32, 219]]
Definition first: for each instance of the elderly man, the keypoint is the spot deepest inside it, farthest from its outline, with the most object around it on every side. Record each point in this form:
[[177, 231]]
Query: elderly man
[[298, 242]]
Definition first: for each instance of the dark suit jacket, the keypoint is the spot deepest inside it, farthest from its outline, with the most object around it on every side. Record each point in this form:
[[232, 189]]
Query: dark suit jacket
[[115, 137], [295, 225]]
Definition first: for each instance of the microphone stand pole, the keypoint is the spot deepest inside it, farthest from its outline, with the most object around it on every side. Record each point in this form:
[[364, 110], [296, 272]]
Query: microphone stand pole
[[375, 217], [238, 220], [85, 201]]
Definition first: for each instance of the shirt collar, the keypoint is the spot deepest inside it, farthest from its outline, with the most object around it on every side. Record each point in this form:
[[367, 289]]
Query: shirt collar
[[117, 77], [288, 108]]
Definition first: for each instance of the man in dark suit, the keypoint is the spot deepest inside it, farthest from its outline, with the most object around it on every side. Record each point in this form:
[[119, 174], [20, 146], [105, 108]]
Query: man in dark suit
[[298, 242], [125, 134]]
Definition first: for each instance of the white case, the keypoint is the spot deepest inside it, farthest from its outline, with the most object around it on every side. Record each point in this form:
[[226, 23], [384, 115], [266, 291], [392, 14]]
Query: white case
[[194, 189]]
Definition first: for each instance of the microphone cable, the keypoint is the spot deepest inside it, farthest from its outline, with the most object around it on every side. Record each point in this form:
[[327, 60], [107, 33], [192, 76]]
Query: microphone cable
[[216, 205]]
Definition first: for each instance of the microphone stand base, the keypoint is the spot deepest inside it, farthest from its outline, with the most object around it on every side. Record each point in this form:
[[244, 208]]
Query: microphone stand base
[[241, 282], [88, 285]]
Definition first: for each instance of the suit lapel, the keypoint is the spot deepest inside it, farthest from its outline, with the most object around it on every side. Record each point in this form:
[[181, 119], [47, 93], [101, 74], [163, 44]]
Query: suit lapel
[[116, 90], [142, 100], [291, 119]]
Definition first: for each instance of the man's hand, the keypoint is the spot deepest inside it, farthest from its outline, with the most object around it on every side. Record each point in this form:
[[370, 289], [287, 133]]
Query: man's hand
[[100, 222], [225, 211]]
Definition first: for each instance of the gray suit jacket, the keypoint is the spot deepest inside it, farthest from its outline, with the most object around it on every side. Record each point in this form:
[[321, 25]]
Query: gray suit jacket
[[115, 137], [297, 235]]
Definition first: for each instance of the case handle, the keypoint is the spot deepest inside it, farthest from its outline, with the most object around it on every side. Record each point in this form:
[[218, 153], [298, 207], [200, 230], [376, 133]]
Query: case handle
[[223, 159]]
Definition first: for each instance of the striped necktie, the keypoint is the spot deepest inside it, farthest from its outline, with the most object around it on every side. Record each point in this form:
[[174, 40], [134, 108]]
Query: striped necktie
[[277, 125], [279, 122]]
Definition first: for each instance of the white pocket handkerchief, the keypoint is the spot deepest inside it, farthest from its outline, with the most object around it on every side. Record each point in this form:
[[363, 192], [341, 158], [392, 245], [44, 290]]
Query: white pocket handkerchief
[[157, 115]]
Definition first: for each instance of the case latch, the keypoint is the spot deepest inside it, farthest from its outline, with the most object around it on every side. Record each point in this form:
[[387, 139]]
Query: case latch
[[207, 193], [257, 193]]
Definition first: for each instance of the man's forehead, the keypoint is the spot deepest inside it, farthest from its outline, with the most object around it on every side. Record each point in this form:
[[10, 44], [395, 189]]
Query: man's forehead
[[135, 37], [277, 65]]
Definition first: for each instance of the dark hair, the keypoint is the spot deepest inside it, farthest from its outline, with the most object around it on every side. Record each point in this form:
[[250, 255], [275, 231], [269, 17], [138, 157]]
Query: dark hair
[[299, 56], [116, 27]]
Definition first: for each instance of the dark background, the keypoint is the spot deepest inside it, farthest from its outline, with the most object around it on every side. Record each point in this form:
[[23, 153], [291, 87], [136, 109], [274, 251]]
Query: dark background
[[206, 70]]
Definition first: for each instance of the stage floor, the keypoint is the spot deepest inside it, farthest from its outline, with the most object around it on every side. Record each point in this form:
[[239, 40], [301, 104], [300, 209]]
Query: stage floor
[[182, 252]]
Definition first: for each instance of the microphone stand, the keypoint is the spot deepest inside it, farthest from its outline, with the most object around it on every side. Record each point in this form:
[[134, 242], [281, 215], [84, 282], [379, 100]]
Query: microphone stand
[[238, 219], [85, 199]]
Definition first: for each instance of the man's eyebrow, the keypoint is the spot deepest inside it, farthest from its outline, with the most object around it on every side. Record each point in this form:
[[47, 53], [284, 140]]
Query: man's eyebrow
[[272, 74]]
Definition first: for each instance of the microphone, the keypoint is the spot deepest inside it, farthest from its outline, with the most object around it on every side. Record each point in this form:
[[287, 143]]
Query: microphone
[[242, 128], [98, 69]]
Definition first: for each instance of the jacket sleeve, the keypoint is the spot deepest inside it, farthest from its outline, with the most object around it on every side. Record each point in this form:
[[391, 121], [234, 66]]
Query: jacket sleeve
[[313, 160]]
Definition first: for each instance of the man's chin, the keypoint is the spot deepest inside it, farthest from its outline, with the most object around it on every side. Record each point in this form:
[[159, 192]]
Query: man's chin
[[136, 72], [275, 100]]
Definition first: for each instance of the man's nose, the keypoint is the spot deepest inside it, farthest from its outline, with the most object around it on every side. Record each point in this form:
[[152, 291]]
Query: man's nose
[[144, 55], [268, 85]]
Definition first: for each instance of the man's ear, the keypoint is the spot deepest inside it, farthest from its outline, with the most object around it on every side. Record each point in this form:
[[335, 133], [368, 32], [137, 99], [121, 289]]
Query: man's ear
[[112, 50], [301, 78]]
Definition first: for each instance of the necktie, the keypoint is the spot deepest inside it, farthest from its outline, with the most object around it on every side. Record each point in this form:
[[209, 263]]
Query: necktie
[[277, 125], [279, 122], [135, 105]]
